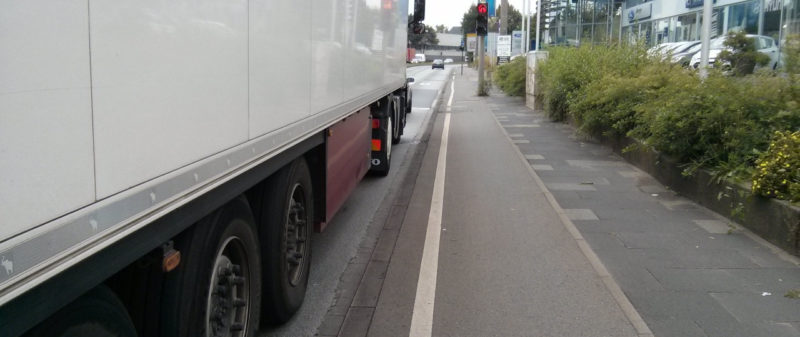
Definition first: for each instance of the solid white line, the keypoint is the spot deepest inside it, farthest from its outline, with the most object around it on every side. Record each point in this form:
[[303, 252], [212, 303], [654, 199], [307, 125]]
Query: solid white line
[[422, 317], [452, 92]]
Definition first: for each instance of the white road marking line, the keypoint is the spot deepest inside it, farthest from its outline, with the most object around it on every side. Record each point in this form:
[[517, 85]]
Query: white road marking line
[[452, 92], [422, 317]]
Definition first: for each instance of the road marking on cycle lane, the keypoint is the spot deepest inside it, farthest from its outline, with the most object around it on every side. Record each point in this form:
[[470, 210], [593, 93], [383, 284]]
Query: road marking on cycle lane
[[422, 316]]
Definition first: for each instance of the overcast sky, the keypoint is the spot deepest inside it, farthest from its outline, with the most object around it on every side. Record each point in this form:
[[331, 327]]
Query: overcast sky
[[450, 12]]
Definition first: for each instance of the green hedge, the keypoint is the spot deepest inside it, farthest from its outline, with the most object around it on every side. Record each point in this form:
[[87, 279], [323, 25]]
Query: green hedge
[[723, 124], [510, 77]]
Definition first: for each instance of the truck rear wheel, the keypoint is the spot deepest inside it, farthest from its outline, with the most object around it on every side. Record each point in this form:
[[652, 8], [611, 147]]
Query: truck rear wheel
[[216, 290], [287, 223], [97, 313], [397, 109]]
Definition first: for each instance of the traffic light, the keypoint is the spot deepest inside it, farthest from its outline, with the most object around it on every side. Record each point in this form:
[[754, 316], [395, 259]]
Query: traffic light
[[482, 22]]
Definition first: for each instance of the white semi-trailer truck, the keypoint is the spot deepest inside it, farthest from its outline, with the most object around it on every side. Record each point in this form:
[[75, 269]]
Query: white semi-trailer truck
[[163, 163]]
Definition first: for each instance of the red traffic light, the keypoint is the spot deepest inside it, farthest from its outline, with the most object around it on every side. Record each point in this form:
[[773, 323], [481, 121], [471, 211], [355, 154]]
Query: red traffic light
[[482, 9]]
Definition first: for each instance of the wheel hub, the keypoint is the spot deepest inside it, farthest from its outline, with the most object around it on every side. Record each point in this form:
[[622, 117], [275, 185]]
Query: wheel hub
[[227, 307]]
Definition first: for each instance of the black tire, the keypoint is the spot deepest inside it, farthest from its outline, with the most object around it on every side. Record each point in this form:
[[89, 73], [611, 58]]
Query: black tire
[[97, 313], [287, 222], [216, 290], [410, 100], [398, 123]]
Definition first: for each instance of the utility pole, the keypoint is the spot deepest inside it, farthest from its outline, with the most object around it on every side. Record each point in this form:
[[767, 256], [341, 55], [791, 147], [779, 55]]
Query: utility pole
[[480, 64], [539, 22], [503, 17], [705, 37], [481, 30]]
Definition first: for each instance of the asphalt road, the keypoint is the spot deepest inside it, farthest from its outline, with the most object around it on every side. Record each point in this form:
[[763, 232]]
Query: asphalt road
[[338, 244]]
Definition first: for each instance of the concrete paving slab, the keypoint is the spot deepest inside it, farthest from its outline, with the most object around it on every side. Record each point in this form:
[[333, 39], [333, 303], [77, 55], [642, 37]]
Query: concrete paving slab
[[357, 322], [534, 157], [542, 167], [580, 214], [676, 327], [713, 226], [755, 307], [570, 187]]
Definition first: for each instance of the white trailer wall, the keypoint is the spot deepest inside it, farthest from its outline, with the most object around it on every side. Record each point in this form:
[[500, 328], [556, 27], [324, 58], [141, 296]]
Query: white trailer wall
[[46, 164], [132, 103]]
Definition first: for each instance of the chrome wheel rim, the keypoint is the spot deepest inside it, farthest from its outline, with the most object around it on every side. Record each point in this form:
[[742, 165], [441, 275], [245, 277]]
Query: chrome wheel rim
[[227, 308], [296, 238]]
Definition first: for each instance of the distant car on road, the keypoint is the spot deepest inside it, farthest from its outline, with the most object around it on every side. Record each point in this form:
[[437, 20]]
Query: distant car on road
[[437, 64], [448, 60]]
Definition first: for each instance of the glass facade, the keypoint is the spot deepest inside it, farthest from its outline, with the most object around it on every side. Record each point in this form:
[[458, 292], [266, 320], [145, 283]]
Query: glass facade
[[772, 18], [573, 22]]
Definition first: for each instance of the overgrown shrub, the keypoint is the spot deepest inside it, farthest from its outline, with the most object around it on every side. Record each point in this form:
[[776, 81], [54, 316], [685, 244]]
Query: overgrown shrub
[[611, 106], [777, 172], [741, 54], [567, 70], [721, 123], [510, 77], [791, 52]]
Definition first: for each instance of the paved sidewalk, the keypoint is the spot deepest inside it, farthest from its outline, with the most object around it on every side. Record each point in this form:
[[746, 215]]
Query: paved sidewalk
[[688, 271], [514, 259]]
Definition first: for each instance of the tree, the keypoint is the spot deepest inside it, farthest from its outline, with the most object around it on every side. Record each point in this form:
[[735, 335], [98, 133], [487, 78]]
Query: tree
[[514, 20], [428, 38], [468, 20], [741, 54], [441, 29]]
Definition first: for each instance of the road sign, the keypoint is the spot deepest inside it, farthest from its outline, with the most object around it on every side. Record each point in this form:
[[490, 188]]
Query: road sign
[[504, 45], [492, 7], [472, 42]]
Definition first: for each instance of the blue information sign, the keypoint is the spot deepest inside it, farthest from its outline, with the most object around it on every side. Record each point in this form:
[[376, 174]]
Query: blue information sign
[[491, 6]]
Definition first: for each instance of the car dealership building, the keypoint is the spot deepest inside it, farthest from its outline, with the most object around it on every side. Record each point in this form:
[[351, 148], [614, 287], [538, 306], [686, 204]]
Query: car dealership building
[[571, 22]]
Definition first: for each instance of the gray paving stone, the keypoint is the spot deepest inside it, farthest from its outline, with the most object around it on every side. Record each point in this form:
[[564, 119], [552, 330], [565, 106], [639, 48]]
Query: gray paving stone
[[570, 187], [348, 285], [520, 141], [516, 135], [675, 327], [385, 246], [713, 226], [370, 287], [775, 329], [698, 258], [650, 189], [603, 241], [584, 179], [596, 163], [631, 174], [534, 157], [684, 305], [754, 307], [520, 125], [678, 204], [542, 167], [774, 280], [330, 325], [357, 322], [580, 214]]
